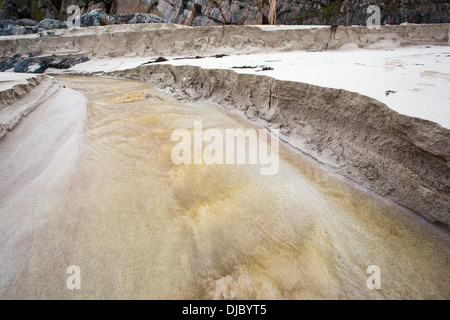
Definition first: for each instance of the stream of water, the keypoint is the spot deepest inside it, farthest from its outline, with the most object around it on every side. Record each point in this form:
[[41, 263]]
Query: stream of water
[[139, 226]]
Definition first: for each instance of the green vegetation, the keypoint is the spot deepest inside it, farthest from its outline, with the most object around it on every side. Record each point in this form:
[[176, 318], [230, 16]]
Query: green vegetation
[[1, 4], [36, 14]]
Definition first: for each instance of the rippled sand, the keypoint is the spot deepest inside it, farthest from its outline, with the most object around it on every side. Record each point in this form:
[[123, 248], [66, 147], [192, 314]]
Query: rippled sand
[[140, 227]]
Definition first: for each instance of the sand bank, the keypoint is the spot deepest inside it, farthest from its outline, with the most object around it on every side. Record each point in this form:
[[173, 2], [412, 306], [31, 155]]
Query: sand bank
[[20, 94], [112, 202], [418, 77], [169, 39], [399, 157]]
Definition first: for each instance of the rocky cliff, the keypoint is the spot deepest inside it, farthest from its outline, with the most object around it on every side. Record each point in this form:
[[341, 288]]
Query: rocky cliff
[[219, 12]]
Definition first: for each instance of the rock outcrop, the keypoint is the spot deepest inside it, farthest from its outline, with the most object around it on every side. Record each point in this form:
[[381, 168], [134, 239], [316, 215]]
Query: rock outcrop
[[96, 17], [23, 26], [33, 64], [16, 9], [219, 12]]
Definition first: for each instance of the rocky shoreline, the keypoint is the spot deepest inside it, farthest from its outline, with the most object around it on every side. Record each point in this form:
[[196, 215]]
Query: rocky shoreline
[[96, 17], [38, 64], [244, 12]]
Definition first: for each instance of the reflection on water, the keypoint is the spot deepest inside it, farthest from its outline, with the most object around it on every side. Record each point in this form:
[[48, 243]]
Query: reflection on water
[[140, 227]]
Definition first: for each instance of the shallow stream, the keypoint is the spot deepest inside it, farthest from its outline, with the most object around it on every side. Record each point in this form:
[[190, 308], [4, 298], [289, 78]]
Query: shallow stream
[[139, 226]]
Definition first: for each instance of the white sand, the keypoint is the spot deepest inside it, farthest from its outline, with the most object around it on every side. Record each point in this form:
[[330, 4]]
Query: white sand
[[420, 75], [9, 79], [45, 134], [105, 65]]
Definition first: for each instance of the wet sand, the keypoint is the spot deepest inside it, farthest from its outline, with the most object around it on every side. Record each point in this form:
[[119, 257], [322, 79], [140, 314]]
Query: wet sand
[[139, 226]]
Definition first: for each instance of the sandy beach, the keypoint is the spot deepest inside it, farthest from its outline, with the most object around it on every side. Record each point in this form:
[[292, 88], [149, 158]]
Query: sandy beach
[[87, 177]]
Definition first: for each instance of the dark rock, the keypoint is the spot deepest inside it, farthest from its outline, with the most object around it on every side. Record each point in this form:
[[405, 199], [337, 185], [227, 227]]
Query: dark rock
[[38, 65], [203, 21], [146, 18], [46, 60], [17, 9], [219, 12], [52, 24], [26, 23], [30, 66], [132, 18], [50, 8], [81, 60], [66, 63], [119, 18], [96, 17], [13, 31], [31, 30], [7, 23], [388, 92], [9, 63], [245, 67], [161, 59], [55, 64]]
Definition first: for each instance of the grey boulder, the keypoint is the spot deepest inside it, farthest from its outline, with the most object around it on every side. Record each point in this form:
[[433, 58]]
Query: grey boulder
[[52, 24], [94, 18], [30, 66]]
